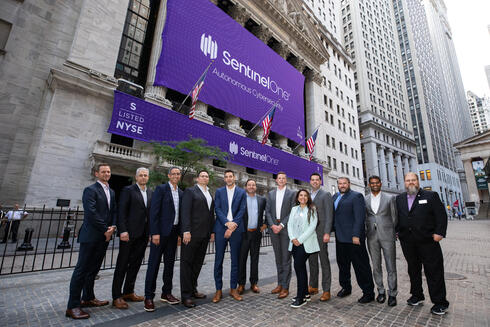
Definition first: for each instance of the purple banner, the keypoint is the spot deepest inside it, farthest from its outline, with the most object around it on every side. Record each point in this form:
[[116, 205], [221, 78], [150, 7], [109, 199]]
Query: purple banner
[[246, 77], [141, 120]]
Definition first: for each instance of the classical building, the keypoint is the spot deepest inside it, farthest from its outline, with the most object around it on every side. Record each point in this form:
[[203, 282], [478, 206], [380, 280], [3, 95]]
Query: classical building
[[61, 64], [479, 111]]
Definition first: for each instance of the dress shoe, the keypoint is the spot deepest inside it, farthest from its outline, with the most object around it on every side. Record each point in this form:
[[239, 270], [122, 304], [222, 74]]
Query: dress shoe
[[255, 288], [198, 295], [343, 292], [217, 296], [391, 301], [312, 290], [77, 313], [169, 298], [366, 299], [188, 303], [381, 298], [133, 297], [234, 294], [284, 293], [149, 305], [325, 296], [119, 303], [278, 289], [240, 289], [94, 303]]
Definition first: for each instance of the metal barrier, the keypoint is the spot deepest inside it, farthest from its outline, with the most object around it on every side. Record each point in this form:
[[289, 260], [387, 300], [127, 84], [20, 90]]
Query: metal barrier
[[47, 240]]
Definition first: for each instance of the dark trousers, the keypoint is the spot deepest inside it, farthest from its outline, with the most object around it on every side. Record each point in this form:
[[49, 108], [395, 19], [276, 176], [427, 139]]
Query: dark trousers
[[128, 264], [167, 248], [90, 258], [13, 230], [300, 256], [191, 260], [430, 256], [348, 253], [250, 243], [235, 241]]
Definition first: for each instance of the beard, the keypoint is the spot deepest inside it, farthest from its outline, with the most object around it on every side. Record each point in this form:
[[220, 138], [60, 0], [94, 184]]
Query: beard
[[412, 190]]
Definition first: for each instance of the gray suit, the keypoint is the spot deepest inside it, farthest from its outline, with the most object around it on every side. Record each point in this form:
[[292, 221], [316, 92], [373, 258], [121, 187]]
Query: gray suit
[[280, 241], [380, 230], [324, 206]]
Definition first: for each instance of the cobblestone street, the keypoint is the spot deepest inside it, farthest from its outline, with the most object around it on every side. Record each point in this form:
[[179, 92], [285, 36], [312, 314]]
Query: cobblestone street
[[39, 299]]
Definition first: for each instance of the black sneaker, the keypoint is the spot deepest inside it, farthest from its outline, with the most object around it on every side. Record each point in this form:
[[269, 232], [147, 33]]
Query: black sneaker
[[298, 303], [414, 300], [307, 298], [366, 299], [438, 309]]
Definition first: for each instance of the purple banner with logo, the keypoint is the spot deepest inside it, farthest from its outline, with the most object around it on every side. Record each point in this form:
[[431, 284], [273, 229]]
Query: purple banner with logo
[[141, 120], [246, 77]]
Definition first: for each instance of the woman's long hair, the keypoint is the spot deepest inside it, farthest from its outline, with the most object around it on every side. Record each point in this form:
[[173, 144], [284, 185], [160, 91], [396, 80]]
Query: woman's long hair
[[309, 203]]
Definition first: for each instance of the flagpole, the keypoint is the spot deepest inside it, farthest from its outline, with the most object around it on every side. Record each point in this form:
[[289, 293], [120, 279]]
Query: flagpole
[[207, 68], [262, 118], [308, 137]]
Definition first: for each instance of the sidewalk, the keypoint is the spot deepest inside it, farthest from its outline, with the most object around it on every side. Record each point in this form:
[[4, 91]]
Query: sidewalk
[[39, 299]]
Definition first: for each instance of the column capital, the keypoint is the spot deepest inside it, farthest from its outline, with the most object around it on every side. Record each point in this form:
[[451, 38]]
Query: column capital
[[239, 14], [262, 32], [314, 76], [281, 49]]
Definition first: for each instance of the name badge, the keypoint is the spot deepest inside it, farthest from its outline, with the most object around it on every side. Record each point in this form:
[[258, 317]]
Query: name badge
[[422, 201]]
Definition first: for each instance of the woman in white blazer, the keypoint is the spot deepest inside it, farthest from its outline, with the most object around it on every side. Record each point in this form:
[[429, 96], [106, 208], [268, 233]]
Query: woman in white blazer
[[301, 230]]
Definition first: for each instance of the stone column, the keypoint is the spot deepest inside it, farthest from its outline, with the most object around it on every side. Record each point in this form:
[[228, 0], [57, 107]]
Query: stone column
[[262, 32], [371, 156], [239, 14], [391, 169], [412, 164], [283, 143], [399, 171], [406, 166], [282, 49], [202, 113], [233, 123], [382, 165]]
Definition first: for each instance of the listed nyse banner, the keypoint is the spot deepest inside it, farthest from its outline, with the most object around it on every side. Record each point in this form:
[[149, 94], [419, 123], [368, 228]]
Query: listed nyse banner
[[246, 77], [141, 120]]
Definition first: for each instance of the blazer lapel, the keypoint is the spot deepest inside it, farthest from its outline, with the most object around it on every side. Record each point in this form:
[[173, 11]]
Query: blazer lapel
[[136, 189], [415, 201], [101, 191], [368, 204], [273, 202]]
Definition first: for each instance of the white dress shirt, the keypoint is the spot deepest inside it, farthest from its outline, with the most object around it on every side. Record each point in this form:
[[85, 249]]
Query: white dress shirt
[[144, 195], [107, 193], [375, 200], [314, 193], [229, 193], [206, 193], [15, 214], [279, 199], [175, 197]]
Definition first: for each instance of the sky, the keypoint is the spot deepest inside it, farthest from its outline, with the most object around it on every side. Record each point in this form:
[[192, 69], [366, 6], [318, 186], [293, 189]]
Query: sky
[[469, 20]]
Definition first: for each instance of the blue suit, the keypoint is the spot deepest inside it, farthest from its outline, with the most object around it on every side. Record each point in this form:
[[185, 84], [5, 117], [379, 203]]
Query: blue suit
[[238, 208]]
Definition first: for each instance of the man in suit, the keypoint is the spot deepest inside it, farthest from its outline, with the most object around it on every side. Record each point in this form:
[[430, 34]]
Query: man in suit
[[324, 207], [99, 223], [132, 227], [164, 231], [422, 224], [381, 219], [277, 209], [349, 217], [197, 222], [230, 203], [253, 221]]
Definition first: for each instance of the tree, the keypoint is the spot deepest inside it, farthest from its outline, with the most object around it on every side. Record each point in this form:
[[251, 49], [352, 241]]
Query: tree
[[187, 155]]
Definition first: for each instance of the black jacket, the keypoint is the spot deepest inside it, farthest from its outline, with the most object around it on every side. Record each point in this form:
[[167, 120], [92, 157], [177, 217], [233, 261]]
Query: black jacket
[[196, 217], [133, 214]]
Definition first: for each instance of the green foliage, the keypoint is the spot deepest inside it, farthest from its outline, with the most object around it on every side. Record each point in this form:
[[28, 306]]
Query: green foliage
[[187, 155]]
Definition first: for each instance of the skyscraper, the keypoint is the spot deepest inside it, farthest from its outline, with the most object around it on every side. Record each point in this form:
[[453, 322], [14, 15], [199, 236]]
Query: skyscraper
[[479, 111]]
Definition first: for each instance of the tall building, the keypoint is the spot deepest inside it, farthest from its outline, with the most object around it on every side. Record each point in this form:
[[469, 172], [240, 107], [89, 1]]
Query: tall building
[[327, 13], [369, 35], [479, 111]]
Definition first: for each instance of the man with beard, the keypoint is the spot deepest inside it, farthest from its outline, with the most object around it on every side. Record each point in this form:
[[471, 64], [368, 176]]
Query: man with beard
[[422, 224]]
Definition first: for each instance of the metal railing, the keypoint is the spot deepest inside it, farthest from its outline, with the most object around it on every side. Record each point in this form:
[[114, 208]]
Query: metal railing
[[47, 240]]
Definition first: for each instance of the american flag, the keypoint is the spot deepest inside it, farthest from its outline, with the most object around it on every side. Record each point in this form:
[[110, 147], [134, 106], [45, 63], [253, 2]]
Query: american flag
[[195, 94], [311, 143], [267, 124]]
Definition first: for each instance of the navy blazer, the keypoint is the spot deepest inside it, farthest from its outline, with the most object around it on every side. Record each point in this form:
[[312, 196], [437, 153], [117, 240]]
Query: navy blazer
[[133, 215], [349, 216], [162, 210], [427, 216], [238, 208], [97, 216]]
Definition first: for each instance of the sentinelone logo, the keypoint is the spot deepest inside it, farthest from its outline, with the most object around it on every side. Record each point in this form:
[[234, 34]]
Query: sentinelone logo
[[252, 154], [209, 47]]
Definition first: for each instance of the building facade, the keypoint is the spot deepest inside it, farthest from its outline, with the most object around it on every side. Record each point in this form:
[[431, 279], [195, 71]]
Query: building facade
[[479, 111]]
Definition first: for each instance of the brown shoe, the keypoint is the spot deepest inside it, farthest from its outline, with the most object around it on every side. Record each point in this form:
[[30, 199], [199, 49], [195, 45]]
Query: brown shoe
[[169, 298], [77, 313], [188, 303], [312, 290], [240, 289], [234, 294], [133, 297], [198, 295], [284, 293], [217, 296], [119, 303], [94, 303], [149, 305], [278, 289], [325, 296], [255, 288]]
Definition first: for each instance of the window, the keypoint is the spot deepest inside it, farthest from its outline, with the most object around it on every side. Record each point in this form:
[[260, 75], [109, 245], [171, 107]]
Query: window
[[428, 175], [334, 164], [422, 175], [328, 140], [5, 28]]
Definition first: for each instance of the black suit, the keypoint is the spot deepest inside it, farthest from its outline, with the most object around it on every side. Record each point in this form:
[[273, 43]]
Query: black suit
[[98, 216], [415, 228], [132, 219], [251, 243], [198, 219]]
